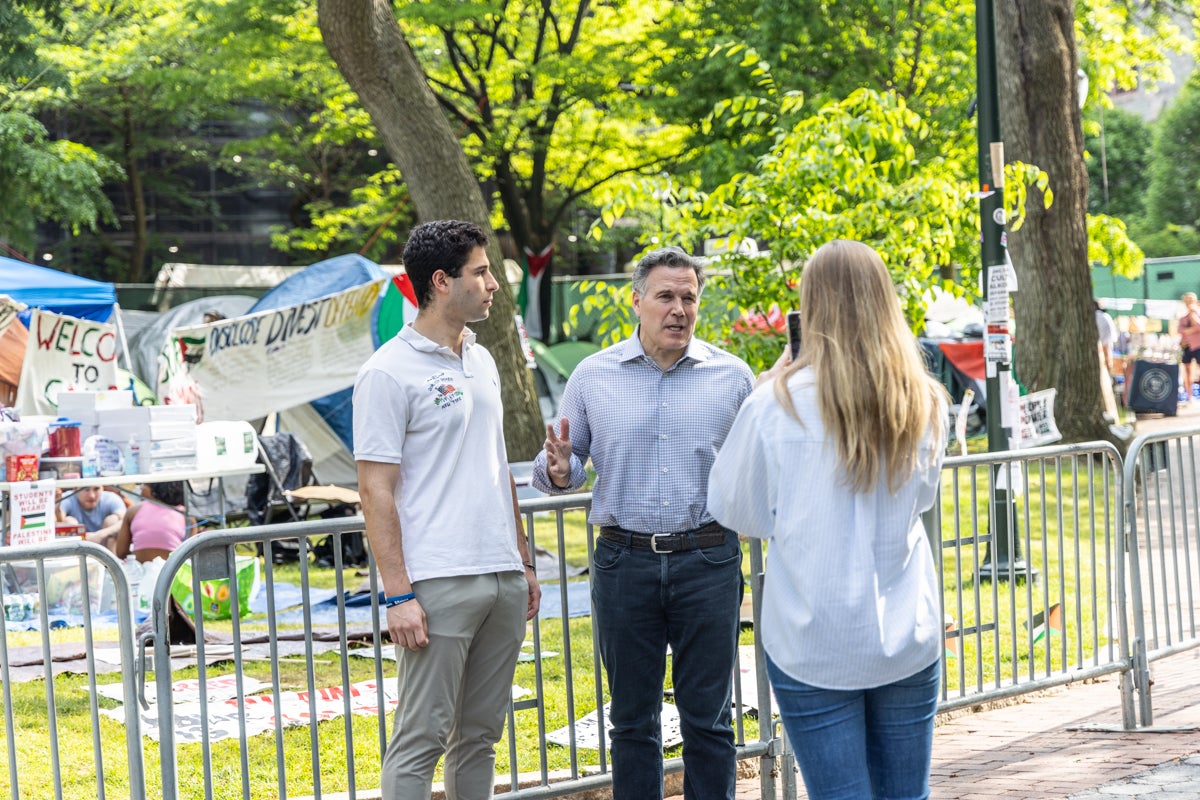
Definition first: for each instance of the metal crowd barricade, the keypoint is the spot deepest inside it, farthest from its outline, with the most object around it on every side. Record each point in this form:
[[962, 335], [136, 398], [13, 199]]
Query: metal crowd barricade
[[311, 759], [1116, 554], [76, 577], [1061, 618], [1161, 519]]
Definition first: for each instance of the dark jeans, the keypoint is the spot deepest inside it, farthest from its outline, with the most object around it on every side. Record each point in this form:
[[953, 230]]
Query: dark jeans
[[644, 601], [868, 743]]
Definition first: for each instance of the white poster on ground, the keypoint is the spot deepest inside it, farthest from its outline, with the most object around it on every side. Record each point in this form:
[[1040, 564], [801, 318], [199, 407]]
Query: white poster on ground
[[225, 714], [65, 353], [587, 730], [247, 367]]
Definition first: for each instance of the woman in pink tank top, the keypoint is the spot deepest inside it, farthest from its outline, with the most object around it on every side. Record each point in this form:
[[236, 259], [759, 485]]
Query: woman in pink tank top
[[153, 529]]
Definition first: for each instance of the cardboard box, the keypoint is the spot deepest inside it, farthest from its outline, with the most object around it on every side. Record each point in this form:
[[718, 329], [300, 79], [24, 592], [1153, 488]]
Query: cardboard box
[[144, 415], [21, 468], [154, 466], [154, 431], [84, 406]]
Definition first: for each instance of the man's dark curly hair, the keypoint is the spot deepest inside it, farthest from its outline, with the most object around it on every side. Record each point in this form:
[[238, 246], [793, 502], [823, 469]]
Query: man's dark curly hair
[[441, 244]]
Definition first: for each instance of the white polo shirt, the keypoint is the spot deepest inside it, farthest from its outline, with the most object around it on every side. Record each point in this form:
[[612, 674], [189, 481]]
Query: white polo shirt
[[440, 418]]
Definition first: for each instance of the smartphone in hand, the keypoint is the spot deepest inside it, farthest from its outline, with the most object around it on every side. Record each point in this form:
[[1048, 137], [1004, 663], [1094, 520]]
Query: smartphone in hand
[[793, 331]]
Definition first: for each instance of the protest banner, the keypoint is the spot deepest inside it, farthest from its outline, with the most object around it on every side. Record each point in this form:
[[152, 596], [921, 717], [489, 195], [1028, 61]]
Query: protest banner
[[65, 353], [31, 513], [249, 366]]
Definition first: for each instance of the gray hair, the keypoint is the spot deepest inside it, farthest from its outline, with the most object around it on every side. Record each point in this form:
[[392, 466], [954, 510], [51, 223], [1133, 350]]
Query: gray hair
[[666, 257]]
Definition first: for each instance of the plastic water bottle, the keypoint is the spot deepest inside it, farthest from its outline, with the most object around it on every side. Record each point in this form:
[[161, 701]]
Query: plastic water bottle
[[133, 456], [91, 464]]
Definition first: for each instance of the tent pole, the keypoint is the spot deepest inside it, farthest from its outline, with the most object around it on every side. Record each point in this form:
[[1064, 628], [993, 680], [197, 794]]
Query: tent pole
[[121, 335]]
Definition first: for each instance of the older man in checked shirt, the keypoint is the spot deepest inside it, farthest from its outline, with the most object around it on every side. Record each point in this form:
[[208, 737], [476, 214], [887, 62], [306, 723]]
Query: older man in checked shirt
[[651, 413]]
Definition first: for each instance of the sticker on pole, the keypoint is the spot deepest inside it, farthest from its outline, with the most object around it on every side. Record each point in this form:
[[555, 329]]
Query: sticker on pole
[[997, 344]]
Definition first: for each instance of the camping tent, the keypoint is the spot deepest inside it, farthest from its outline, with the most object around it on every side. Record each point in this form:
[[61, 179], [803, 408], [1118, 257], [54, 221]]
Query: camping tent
[[318, 280], [56, 291]]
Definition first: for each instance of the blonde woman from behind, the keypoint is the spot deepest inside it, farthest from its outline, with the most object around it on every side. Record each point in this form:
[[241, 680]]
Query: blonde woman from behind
[[833, 460]]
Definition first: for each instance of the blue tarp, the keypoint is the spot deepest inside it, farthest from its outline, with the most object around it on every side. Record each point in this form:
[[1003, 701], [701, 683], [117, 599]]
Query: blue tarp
[[56, 291], [318, 280]]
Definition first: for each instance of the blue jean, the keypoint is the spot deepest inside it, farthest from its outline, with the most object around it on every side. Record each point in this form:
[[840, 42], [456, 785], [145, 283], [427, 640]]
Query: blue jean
[[642, 602], [868, 743]]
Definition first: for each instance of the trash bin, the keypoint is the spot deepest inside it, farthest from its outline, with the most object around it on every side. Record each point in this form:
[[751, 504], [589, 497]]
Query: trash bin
[[1152, 387]]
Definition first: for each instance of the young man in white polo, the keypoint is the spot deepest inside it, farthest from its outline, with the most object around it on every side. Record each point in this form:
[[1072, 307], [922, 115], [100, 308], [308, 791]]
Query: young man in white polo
[[443, 522]]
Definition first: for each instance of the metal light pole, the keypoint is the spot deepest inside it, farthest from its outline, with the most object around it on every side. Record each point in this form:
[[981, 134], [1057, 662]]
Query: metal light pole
[[1003, 557]]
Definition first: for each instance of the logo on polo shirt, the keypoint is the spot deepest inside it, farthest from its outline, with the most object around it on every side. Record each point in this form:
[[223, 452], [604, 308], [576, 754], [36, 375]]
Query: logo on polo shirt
[[445, 393]]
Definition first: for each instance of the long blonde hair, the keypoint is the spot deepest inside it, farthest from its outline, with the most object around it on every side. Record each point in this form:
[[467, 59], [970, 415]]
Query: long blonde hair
[[875, 396]]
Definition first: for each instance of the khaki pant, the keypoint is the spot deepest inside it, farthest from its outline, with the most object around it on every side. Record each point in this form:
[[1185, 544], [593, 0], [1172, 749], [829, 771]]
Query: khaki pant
[[454, 693]]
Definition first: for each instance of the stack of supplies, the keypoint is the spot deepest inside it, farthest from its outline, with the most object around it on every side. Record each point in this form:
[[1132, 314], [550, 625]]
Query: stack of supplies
[[155, 439]]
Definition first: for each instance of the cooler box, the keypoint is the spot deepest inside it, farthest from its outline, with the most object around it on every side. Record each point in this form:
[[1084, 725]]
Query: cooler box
[[1152, 387], [225, 445]]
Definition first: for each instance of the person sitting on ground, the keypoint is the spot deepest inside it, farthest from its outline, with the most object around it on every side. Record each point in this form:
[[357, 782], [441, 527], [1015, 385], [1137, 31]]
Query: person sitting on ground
[[154, 529], [99, 512]]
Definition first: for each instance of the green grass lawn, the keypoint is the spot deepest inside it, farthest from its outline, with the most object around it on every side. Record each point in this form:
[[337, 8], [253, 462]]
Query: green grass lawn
[[1074, 573]]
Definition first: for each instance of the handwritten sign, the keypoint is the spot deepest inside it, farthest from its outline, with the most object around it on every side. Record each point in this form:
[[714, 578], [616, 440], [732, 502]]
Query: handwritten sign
[[65, 353], [31, 513], [1035, 422], [249, 366]]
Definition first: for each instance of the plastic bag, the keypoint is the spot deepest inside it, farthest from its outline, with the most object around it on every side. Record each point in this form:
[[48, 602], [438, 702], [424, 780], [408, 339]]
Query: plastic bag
[[215, 596]]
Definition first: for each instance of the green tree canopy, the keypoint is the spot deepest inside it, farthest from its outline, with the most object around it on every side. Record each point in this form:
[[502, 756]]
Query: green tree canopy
[[1175, 163], [1118, 163]]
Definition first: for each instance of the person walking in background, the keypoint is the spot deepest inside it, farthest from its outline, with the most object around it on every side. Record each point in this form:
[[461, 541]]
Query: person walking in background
[[833, 460], [440, 507], [1189, 339], [651, 413], [1106, 331], [151, 529]]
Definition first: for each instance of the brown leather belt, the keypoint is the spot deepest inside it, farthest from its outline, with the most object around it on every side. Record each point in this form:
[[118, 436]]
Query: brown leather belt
[[709, 535]]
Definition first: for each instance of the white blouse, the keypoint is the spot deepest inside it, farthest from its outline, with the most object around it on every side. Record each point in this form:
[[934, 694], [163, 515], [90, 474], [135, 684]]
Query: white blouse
[[851, 592]]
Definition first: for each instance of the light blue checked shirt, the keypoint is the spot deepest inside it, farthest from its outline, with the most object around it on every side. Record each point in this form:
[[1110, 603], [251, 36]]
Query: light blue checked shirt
[[652, 435]]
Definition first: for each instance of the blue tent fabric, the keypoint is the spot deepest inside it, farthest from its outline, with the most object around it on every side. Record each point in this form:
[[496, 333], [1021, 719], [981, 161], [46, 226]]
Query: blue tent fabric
[[53, 290], [337, 410], [320, 279]]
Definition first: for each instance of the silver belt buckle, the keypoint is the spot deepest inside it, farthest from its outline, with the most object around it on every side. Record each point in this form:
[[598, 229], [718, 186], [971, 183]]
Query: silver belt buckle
[[654, 542]]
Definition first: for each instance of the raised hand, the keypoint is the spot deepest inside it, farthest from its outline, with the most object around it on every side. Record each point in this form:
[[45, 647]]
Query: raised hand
[[558, 453]]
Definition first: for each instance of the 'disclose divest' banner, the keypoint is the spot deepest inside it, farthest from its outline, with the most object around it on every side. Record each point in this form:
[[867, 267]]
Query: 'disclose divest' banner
[[65, 353], [247, 367]]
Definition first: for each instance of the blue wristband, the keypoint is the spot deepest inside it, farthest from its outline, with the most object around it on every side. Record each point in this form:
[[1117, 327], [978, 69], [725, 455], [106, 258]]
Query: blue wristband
[[398, 599]]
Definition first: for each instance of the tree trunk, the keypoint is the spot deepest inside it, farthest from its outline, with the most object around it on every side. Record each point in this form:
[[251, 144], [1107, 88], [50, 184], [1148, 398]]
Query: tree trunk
[[374, 57], [137, 202], [1040, 123]]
